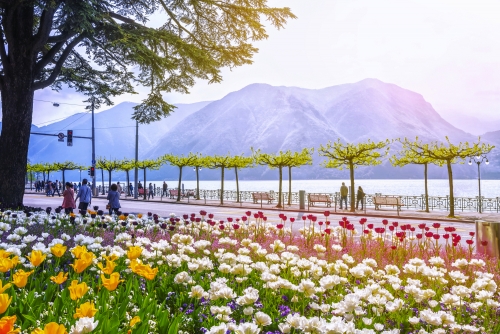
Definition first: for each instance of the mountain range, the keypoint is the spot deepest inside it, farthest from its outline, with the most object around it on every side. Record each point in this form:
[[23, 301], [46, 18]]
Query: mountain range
[[269, 118]]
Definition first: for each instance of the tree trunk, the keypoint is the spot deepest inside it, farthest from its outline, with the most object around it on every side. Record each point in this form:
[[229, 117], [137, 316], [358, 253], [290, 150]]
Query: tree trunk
[[222, 187], [63, 178], [109, 181], [145, 183], [197, 183], [237, 185], [179, 186], [426, 189], [280, 187], [17, 105], [289, 185], [43, 177], [452, 197], [128, 182], [102, 176], [352, 197]]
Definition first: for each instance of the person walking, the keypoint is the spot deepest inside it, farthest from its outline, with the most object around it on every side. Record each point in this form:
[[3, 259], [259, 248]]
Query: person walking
[[85, 196], [130, 189], [48, 188], [118, 185], [343, 195], [360, 197], [151, 193], [165, 187], [56, 188], [68, 199], [113, 199]]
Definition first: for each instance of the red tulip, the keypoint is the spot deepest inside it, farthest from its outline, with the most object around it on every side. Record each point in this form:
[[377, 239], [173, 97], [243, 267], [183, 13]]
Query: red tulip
[[366, 231], [326, 213], [203, 213], [436, 225], [419, 236], [391, 228], [280, 226], [229, 219], [393, 247], [221, 227], [446, 236], [421, 226], [429, 234], [211, 215], [304, 217], [363, 220], [320, 223], [385, 222], [469, 241], [436, 236], [292, 220], [328, 231], [370, 226], [236, 226], [472, 234], [395, 224], [484, 243], [244, 218], [248, 213]]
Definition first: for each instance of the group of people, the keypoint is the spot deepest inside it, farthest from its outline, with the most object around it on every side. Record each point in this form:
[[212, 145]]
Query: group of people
[[344, 191], [85, 196]]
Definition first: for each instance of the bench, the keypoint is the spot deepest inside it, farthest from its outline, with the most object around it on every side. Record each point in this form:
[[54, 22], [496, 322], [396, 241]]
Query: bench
[[141, 191], [262, 197], [173, 193], [318, 198], [387, 200]]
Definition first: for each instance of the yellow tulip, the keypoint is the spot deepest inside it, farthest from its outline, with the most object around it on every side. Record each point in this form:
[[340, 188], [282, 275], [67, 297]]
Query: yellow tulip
[[15, 261], [139, 215], [78, 251], [4, 253], [112, 257], [134, 252], [7, 325], [143, 270], [4, 302], [112, 282], [51, 328], [6, 264], [36, 258], [4, 287], [20, 278], [76, 291], [60, 278], [83, 262], [135, 320], [110, 267], [58, 250], [85, 310]]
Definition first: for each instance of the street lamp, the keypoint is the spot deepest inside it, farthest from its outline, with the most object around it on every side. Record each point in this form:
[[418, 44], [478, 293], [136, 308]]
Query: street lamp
[[478, 159]]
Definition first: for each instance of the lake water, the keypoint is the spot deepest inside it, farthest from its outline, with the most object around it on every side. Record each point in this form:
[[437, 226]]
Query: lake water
[[437, 187]]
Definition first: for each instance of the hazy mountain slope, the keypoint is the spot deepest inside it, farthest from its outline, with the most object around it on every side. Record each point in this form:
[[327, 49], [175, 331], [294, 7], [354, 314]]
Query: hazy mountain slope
[[114, 131], [279, 118]]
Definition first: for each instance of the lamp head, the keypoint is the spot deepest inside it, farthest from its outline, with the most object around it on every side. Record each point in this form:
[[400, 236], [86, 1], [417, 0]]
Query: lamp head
[[487, 162], [470, 162], [478, 157], [55, 104]]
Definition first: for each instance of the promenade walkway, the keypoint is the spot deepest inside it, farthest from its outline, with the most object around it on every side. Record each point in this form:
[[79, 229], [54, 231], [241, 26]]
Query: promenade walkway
[[191, 204], [464, 223]]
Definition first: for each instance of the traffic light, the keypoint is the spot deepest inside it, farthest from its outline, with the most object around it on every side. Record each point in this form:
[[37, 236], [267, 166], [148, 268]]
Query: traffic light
[[92, 171], [69, 136]]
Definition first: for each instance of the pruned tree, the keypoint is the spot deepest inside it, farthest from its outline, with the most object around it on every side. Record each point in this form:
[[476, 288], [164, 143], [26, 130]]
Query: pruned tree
[[49, 167], [448, 154], [198, 164], [64, 166], [126, 166], [222, 162], [279, 160], [104, 48], [181, 161], [410, 153], [351, 156], [148, 164], [109, 166], [297, 159], [240, 161]]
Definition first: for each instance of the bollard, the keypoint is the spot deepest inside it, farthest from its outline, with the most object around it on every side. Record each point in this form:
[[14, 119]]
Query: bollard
[[302, 199]]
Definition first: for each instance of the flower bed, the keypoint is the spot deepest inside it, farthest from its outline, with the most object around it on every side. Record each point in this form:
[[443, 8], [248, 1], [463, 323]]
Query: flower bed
[[201, 274]]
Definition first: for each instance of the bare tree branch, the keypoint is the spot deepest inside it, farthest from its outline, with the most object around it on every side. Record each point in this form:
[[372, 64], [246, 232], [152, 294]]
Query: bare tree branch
[[44, 30], [59, 64]]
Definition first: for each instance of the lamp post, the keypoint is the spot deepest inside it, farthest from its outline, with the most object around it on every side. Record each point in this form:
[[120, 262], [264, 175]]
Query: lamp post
[[197, 169], [478, 159], [136, 171]]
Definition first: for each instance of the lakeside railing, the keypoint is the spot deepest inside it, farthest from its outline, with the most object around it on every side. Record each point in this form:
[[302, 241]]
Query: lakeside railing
[[408, 202]]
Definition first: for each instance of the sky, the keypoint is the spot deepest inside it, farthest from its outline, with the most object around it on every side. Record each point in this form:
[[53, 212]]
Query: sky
[[446, 50]]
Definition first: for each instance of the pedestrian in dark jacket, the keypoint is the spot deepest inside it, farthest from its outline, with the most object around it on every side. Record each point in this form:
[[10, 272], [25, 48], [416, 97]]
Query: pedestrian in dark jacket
[[113, 199], [360, 197]]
